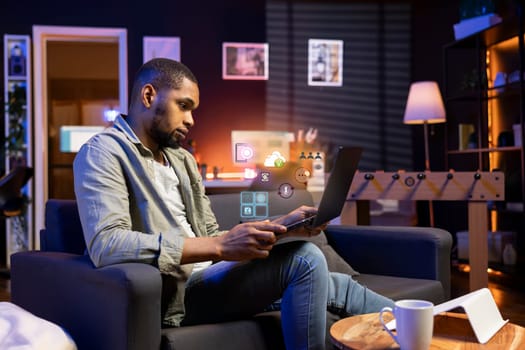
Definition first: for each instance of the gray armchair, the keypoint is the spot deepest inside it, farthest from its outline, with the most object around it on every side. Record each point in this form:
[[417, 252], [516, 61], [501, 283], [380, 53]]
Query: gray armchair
[[118, 307]]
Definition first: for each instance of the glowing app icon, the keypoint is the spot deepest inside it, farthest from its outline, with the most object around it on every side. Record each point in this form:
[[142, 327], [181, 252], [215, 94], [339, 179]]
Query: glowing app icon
[[285, 190], [254, 205], [265, 176], [247, 211], [275, 160], [302, 174], [279, 162], [243, 152]]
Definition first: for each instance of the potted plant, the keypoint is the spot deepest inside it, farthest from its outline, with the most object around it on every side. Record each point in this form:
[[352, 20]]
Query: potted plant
[[15, 150], [15, 143]]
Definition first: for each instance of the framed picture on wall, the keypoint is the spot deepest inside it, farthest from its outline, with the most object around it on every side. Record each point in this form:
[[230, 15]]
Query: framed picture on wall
[[16, 57], [161, 46], [325, 62], [245, 61]]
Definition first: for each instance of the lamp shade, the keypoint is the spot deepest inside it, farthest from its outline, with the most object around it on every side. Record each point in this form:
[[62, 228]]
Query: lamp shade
[[424, 104]]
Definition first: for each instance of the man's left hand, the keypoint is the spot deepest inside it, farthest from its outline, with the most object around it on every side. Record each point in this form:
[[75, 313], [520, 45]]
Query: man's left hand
[[296, 215]]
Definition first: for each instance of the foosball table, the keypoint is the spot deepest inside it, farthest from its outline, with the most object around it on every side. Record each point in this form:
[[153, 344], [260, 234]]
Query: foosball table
[[476, 188]]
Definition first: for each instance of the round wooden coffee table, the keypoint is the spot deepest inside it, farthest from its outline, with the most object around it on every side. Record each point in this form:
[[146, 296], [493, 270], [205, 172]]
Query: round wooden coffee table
[[451, 331]]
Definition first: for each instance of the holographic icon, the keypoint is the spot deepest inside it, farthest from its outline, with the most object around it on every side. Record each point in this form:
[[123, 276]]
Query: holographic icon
[[254, 205], [275, 160], [261, 197], [302, 174], [285, 190], [247, 211], [243, 152], [265, 176], [279, 162]]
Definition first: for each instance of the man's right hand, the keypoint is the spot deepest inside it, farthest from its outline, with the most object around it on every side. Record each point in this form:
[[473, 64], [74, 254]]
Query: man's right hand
[[251, 240]]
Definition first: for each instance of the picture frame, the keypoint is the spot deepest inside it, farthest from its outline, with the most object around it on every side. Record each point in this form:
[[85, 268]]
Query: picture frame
[[161, 46], [245, 61], [325, 62], [16, 52]]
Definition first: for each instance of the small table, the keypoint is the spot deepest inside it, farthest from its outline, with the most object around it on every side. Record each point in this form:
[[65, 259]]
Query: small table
[[451, 331]]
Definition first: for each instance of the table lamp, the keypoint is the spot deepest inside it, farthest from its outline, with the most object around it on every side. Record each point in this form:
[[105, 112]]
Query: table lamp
[[425, 106]]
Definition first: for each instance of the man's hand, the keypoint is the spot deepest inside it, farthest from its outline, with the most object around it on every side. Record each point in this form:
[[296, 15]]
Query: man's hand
[[298, 214], [250, 240]]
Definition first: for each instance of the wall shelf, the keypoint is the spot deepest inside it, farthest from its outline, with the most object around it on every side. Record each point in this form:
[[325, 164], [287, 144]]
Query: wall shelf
[[486, 150], [18, 132], [480, 113]]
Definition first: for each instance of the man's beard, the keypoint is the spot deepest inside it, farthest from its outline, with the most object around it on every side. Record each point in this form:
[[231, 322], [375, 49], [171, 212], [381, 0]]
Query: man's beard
[[167, 140], [163, 138]]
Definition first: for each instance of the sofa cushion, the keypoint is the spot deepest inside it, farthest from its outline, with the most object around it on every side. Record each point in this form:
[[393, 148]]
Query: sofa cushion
[[398, 288], [63, 232], [263, 331], [258, 333], [334, 261]]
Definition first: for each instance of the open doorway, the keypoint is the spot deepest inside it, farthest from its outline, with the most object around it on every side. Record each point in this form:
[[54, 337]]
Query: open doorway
[[79, 73]]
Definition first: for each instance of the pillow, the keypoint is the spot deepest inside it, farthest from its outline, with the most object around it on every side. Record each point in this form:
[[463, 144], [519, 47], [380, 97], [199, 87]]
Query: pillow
[[20, 329], [334, 260]]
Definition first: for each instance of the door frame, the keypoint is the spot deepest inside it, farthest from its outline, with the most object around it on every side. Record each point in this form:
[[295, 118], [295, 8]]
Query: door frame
[[41, 36]]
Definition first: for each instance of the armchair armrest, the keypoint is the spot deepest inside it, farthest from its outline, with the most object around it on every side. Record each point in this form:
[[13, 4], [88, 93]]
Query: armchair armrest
[[113, 307], [415, 252]]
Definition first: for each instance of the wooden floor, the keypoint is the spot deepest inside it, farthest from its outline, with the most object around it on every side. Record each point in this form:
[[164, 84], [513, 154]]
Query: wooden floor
[[5, 288], [508, 292]]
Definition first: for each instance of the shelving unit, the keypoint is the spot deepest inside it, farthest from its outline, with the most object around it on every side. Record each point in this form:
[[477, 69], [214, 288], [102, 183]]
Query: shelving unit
[[18, 132], [484, 86]]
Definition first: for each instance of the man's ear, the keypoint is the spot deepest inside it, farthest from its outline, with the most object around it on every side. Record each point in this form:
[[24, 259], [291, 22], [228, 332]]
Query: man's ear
[[148, 95]]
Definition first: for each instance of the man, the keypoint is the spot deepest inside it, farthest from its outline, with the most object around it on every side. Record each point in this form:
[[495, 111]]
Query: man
[[141, 199]]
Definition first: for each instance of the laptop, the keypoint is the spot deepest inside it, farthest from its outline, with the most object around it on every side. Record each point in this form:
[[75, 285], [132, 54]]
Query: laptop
[[336, 189]]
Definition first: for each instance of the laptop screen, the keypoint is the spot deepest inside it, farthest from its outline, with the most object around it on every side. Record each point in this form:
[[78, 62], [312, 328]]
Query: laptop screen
[[336, 189], [338, 184]]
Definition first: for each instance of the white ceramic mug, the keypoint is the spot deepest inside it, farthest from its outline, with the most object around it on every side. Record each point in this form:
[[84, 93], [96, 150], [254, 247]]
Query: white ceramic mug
[[414, 323]]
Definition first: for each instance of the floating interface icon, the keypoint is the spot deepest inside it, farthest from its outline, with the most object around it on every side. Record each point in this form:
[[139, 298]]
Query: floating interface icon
[[285, 190], [265, 176], [302, 174], [254, 205], [243, 152]]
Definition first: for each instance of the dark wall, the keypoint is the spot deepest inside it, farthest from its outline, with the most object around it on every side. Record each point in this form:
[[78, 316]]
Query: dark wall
[[433, 23], [367, 109], [433, 28]]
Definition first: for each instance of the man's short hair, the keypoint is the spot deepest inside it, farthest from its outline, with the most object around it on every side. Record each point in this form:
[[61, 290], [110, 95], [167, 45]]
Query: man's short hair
[[161, 73]]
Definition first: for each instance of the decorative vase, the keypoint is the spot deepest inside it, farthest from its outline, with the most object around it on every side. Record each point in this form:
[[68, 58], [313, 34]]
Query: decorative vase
[[509, 255]]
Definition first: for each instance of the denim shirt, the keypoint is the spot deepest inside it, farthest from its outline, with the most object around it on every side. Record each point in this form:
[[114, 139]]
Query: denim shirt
[[123, 216]]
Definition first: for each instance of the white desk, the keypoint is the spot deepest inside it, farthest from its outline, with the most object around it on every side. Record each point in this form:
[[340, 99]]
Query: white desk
[[226, 185]]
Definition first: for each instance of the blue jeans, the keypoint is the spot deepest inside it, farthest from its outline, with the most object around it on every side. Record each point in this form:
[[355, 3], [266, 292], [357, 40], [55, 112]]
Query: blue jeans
[[294, 279]]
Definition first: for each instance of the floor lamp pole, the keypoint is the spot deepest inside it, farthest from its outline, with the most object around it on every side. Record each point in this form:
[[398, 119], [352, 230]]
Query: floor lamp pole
[[427, 168]]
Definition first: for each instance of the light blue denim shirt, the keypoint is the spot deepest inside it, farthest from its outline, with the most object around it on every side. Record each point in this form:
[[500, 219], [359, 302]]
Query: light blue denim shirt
[[122, 212]]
